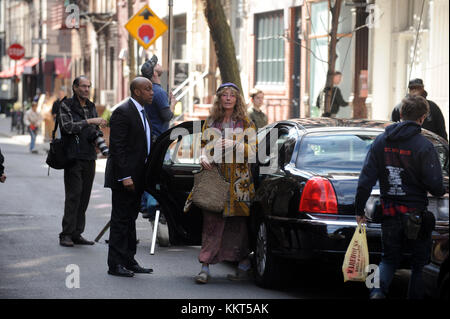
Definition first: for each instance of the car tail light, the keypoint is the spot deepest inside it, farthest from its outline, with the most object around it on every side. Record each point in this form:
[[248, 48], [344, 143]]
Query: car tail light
[[318, 196]]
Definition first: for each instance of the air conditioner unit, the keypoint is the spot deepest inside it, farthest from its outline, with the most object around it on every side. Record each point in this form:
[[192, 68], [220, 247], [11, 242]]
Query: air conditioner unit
[[107, 97]]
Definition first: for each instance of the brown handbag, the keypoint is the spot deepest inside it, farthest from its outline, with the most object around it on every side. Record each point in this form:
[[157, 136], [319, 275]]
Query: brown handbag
[[211, 191]]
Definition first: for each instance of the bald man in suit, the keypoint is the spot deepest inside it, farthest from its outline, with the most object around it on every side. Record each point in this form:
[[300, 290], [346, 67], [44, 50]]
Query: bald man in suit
[[130, 142]]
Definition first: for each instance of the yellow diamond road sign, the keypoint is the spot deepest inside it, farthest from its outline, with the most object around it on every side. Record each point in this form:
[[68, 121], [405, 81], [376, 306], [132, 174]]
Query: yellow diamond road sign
[[146, 27]]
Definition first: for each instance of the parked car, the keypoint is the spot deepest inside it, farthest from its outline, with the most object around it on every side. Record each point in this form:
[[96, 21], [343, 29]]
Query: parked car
[[436, 273], [306, 176]]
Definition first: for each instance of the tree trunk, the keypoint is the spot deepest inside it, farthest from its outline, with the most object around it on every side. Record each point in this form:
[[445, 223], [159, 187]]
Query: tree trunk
[[223, 42], [332, 56], [361, 63]]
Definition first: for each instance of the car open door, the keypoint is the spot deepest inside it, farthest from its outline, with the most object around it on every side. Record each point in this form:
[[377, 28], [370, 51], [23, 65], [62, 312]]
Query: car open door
[[169, 176]]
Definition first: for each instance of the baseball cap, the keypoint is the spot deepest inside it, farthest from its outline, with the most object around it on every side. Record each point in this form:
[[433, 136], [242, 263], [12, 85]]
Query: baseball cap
[[148, 67], [415, 82]]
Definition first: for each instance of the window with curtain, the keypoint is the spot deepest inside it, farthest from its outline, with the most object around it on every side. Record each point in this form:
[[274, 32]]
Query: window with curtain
[[269, 48]]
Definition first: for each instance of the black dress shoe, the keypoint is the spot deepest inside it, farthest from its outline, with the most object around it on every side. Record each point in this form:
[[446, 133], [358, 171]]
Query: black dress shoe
[[120, 271], [82, 241], [66, 241], [140, 270]]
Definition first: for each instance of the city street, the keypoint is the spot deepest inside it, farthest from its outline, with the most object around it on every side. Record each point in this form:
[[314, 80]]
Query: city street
[[349, 101], [34, 265]]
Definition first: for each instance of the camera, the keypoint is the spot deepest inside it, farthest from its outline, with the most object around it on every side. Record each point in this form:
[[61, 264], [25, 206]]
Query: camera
[[101, 144], [148, 67], [96, 136]]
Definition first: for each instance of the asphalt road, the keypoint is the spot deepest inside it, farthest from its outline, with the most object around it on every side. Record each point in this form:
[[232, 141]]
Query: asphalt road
[[34, 265]]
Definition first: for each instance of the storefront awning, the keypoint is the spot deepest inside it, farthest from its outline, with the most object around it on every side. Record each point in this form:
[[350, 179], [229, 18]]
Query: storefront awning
[[62, 67], [20, 66]]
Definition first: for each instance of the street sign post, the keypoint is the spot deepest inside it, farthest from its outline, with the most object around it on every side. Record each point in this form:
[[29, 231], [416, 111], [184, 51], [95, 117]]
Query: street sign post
[[39, 41], [145, 26], [16, 51]]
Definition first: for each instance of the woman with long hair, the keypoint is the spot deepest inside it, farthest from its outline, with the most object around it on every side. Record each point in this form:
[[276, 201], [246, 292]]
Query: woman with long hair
[[228, 142]]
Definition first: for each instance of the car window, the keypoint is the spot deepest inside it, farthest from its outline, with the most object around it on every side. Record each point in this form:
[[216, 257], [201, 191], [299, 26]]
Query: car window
[[333, 152], [184, 151], [277, 136]]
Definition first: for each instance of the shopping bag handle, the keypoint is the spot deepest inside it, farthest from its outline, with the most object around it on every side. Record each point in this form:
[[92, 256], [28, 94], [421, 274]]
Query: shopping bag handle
[[361, 228]]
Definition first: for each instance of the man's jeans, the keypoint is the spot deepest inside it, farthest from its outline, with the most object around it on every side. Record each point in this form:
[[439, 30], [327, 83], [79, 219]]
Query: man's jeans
[[33, 138], [149, 205], [394, 242]]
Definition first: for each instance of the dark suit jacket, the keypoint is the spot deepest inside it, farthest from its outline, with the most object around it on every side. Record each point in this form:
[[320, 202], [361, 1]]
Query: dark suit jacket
[[127, 147]]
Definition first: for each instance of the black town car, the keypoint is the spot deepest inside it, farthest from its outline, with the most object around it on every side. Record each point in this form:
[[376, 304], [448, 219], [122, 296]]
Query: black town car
[[306, 174]]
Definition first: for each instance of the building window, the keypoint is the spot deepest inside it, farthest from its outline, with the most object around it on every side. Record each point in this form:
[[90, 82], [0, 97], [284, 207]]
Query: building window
[[269, 49], [179, 37]]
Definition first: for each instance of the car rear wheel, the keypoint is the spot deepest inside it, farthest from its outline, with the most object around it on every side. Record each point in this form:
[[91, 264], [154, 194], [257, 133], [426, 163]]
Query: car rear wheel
[[268, 268]]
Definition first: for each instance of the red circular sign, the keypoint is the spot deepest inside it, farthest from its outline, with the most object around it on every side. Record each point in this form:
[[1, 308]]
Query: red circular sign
[[146, 32], [16, 51]]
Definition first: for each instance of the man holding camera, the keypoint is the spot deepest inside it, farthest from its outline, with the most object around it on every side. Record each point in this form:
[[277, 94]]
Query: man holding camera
[[160, 112], [79, 125]]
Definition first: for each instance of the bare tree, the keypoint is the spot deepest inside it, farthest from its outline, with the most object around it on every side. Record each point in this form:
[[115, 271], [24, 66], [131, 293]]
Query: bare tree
[[223, 42]]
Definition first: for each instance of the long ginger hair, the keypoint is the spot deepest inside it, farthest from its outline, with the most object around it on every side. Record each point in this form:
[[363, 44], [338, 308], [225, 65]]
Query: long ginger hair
[[217, 112]]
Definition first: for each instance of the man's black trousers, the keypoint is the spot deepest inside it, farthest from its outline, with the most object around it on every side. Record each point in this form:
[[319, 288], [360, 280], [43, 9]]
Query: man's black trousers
[[78, 181], [122, 232]]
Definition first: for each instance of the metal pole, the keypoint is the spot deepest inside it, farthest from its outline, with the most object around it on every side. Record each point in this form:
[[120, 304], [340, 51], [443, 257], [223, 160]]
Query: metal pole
[[131, 57], [155, 231], [108, 224], [41, 84], [169, 56]]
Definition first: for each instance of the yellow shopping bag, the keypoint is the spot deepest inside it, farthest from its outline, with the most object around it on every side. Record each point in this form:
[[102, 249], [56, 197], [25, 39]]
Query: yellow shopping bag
[[357, 256]]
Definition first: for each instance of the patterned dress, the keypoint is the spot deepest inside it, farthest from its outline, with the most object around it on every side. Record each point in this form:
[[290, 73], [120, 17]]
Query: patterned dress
[[225, 235]]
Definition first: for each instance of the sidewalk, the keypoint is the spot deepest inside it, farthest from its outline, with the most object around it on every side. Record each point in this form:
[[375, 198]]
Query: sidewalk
[[41, 146]]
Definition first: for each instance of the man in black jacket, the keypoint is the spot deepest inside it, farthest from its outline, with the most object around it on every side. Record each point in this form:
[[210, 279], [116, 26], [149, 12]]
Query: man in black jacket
[[435, 120], [407, 167], [130, 142], [79, 122], [160, 112], [336, 97]]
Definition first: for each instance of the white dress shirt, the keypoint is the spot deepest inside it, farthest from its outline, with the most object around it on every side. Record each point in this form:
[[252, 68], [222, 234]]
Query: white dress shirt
[[140, 108]]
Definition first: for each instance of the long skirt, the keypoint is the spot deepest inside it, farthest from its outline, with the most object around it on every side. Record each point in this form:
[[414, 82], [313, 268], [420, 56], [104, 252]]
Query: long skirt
[[223, 239]]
